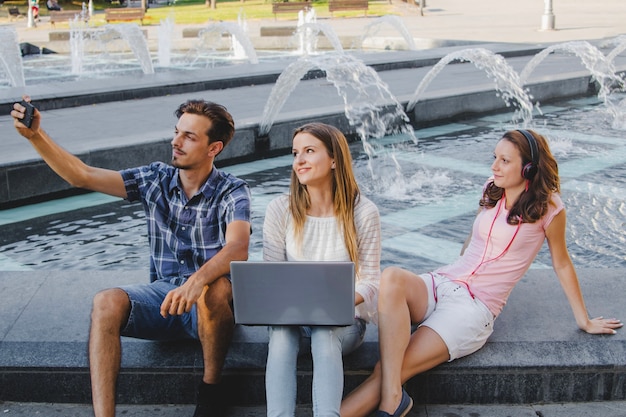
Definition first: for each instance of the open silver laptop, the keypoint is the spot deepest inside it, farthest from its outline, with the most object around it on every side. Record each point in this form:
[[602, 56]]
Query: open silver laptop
[[293, 293]]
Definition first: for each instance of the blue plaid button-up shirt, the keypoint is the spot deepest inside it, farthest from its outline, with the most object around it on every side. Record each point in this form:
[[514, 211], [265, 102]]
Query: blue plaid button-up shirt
[[185, 233]]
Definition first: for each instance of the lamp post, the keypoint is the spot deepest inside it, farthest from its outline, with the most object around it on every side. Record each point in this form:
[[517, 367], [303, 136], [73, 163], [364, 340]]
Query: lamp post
[[30, 16], [547, 20]]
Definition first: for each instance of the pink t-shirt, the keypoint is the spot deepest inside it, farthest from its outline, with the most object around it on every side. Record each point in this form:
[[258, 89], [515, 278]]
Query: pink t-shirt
[[487, 267]]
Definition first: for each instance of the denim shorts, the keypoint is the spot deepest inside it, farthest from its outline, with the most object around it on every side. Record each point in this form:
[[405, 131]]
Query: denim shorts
[[462, 321], [145, 320]]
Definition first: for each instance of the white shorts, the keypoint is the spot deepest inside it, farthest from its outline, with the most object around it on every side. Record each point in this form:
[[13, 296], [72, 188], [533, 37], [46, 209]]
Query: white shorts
[[464, 323]]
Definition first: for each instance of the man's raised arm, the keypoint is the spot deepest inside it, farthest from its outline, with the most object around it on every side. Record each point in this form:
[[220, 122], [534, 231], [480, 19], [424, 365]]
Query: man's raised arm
[[66, 165]]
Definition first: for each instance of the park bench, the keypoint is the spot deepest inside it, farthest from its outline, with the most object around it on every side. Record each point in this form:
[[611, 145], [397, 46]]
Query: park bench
[[135, 13], [342, 5], [290, 7], [57, 16], [14, 13]]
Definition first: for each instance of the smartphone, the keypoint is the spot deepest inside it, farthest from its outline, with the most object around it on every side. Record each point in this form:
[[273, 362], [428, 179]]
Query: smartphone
[[28, 114]]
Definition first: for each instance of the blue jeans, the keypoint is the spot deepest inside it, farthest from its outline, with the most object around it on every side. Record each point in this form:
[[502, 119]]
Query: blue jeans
[[328, 344]]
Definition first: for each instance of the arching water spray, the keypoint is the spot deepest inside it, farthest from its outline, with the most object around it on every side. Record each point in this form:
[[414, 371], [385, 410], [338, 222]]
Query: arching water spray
[[309, 32], [369, 106], [506, 79], [601, 69], [11, 56], [372, 29], [208, 38]]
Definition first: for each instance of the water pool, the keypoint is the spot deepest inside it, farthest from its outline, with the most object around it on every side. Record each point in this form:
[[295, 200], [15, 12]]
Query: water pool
[[426, 213]]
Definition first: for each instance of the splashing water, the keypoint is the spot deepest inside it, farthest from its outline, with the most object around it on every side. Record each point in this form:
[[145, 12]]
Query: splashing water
[[164, 36], [373, 28], [239, 51], [364, 94], [620, 42], [137, 42], [210, 36], [77, 45], [11, 56], [307, 40], [369, 106], [308, 33], [601, 69], [506, 78], [80, 34]]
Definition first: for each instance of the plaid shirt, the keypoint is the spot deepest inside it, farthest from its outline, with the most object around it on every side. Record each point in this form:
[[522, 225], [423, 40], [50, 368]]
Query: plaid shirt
[[185, 233]]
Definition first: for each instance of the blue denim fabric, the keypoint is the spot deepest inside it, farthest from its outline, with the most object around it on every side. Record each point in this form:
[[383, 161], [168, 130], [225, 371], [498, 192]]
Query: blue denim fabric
[[145, 320], [328, 345]]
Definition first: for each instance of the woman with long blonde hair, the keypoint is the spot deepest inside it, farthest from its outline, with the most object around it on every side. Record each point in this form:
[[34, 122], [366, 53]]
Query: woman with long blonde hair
[[324, 218]]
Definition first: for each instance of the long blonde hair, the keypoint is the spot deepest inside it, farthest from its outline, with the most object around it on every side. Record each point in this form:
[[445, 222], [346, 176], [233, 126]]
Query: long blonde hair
[[345, 188]]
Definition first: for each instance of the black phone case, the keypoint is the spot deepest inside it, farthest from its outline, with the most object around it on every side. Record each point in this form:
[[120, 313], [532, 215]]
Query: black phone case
[[28, 114]]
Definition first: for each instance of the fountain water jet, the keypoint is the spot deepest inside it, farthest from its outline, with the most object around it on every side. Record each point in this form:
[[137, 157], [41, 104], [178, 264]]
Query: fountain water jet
[[164, 35], [373, 28], [601, 68], [307, 41], [245, 48], [80, 34], [11, 57], [77, 45], [507, 81], [620, 47], [369, 106], [133, 35], [308, 33], [239, 51]]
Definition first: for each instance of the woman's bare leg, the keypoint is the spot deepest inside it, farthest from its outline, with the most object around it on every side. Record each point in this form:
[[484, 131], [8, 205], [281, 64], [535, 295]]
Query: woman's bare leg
[[403, 298]]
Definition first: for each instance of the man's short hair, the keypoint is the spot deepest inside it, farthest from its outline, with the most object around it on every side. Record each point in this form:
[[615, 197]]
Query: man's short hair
[[222, 127]]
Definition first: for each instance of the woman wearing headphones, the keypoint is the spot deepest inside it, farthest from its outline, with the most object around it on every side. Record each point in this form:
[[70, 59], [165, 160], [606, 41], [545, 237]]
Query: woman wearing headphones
[[456, 305]]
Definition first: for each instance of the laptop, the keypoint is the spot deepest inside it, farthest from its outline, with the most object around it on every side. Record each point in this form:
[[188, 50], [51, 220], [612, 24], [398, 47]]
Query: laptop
[[293, 293]]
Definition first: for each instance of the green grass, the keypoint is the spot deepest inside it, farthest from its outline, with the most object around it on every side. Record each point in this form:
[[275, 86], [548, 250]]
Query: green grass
[[193, 11], [196, 12]]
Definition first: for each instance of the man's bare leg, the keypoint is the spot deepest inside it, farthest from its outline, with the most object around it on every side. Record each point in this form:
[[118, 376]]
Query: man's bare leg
[[215, 328], [110, 311]]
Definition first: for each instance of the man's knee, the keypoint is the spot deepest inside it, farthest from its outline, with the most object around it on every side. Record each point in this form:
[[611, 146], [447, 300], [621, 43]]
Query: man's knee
[[218, 296], [110, 305]]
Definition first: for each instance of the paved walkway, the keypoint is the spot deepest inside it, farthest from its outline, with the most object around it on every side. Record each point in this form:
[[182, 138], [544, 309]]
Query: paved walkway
[[462, 20]]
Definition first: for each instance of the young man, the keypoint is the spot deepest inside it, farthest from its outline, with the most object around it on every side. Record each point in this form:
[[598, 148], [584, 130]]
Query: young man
[[198, 222]]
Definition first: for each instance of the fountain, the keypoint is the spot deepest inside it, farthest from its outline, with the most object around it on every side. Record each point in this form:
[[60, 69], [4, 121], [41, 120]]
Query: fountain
[[371, 109], [164, 35], [307, 43], [10, 56], [77, 45], [309, 32], [364, 94], [239, 51], [620, 42], [507, 81], [601, 68], [394, 21], [82, 37], [210, 38]]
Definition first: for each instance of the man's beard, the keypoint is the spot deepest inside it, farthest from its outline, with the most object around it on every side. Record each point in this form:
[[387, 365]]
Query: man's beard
[[176, 164]]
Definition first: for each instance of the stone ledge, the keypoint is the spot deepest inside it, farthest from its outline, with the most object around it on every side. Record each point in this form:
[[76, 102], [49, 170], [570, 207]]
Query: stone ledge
[[64, 35], [536, 353], [277, 30]]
